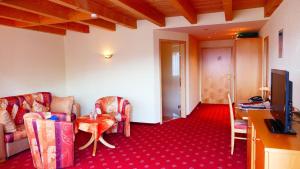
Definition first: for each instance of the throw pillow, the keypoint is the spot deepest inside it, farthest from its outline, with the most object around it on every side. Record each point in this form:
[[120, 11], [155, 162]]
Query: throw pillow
[[9, 125], [19, 116], [3, 104], [26, 106], [14, 111], [62, 104], [38, 107]]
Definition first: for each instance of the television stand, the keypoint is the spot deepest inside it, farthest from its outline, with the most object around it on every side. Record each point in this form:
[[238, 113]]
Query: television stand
[[275, 126]]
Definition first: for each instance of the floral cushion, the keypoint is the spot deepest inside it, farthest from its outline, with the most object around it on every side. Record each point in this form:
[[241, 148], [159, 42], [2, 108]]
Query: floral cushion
[[18, 135], [18, 119], [9, 125], [240, 124], [39, 107]]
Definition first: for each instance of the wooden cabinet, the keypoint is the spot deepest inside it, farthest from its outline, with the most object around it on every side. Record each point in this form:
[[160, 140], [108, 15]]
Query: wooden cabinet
[[266, 150], [248, 68]]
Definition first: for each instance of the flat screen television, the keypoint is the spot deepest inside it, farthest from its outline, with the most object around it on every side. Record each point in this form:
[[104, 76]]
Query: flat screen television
[[281, 103]]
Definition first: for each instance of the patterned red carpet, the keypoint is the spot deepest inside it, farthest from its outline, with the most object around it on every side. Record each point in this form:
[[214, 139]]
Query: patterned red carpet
[[200, 141]]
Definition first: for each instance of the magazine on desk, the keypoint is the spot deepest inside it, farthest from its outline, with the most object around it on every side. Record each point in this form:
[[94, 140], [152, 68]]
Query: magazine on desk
[[254, 105]]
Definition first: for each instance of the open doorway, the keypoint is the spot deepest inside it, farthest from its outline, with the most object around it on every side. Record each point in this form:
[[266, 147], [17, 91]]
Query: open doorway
[[172, 59]]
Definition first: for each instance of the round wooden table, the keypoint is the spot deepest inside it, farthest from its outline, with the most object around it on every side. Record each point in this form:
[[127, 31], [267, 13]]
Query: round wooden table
[[96, 127]]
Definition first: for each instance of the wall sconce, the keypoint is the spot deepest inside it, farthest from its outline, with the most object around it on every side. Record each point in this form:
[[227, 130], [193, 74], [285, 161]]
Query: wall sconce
[[108, 56], [108, 53]]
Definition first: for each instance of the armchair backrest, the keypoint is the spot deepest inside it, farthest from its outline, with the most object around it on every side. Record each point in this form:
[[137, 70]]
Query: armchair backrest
[[51, 142], [113, 104]]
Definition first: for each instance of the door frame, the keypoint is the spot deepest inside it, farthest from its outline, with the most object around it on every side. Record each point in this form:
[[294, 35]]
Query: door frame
[[182, 77], [232, 70], [267, 61]]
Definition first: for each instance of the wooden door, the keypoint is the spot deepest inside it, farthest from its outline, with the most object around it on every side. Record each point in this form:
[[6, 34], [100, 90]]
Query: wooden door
[[216, 75], [248, 68]]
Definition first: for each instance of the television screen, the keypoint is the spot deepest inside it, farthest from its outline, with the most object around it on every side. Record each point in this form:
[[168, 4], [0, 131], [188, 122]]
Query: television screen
[[279, 87]]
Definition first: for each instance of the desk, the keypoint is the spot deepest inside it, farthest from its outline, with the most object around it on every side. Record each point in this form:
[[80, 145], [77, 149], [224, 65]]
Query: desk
[[241, 113], [266, 150]]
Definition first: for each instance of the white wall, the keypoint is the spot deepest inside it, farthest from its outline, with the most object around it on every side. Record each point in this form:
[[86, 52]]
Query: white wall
[[286, 17], [134, 70], [129, 73], [30, 62]]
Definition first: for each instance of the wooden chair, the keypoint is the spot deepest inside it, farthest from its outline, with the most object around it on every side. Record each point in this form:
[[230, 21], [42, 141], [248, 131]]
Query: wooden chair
[[237, 126]]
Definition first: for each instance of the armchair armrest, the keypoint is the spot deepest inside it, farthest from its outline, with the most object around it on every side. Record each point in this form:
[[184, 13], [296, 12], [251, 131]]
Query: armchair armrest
[[2, 144], [76, 109]]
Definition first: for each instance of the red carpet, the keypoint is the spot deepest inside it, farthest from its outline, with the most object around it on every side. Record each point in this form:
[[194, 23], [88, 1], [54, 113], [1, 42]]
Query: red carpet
[[200, 141]]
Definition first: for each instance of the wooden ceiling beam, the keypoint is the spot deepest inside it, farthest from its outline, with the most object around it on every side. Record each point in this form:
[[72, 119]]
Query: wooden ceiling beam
[[48, 29], [143, 9], [102, 11], [72, 26], [271, 6], [50, 13], [40, 7], [227, 6], [7, 22], [186, 9], [13, 23], [101, 23], [11, 13], [27, 19]]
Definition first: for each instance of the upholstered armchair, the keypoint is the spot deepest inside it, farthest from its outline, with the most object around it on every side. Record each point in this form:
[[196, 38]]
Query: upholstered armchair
[[51, 142], [119, 108]]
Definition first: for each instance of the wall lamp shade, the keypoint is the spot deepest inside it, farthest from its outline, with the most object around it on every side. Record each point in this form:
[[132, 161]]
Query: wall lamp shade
[[108, 56]]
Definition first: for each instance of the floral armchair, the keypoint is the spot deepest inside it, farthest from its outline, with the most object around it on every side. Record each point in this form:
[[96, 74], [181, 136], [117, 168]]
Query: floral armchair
[[119, 108], [51, 142]]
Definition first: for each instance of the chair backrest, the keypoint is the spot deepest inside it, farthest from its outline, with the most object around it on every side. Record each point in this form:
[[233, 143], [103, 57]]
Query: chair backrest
[[231, 112], [111, 104], [51, 143]]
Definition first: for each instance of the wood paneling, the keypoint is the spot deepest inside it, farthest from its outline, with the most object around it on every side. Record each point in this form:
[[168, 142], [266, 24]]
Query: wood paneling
[[101, 23], [103, 12], [248, 68], [59, 13], [271, 6], [12, 23], [186, 9], [142, 9], [227, 5]]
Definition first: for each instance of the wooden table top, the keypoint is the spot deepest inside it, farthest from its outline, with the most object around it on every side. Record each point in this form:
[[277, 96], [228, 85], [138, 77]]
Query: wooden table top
[[241, 114], [270, 140], [100, 118]]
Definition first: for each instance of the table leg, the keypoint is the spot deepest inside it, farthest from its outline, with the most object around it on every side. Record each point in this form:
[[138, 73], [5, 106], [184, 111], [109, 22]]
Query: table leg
[[106, 143], [88, 143], [95, 144]]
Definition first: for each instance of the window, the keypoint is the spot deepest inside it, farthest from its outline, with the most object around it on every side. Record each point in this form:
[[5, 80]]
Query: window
[[175, 64]]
